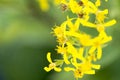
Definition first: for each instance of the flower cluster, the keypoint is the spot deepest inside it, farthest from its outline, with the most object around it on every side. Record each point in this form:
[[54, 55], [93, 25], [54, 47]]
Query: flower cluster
[[79, 49]]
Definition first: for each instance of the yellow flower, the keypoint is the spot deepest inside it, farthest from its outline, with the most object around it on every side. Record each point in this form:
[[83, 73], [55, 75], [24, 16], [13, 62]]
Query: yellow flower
[[59, 32], [100, 15], [51, 65], [97, 44], [86, 67], [44, 5]]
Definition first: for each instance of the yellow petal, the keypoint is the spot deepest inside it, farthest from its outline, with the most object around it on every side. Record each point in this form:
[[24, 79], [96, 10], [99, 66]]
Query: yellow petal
[[94, 8], [92, 49], [49, 57], [69, 23], [90, 72], [95, 66], [99, 53], [71, 33], [77, 23], [106, 39], [105, 11], [47, 69], [88, 24], [63, 25], [57, 69], [66, 59], [71, 49], [74, 62], [110, 23], [81, 52], [69, 69]]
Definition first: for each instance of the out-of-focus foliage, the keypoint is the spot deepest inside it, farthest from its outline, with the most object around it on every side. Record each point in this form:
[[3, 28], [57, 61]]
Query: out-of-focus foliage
[[25, 39]]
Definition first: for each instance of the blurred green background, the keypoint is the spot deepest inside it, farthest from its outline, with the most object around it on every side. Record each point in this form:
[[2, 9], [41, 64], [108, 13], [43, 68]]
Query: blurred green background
[[25, 39]]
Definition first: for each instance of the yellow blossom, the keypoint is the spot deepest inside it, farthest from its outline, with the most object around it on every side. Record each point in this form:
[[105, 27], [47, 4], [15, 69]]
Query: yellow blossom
[[82, 68], [51, 65], [63, 50], [100, 15], [97, 44], [59, 32]]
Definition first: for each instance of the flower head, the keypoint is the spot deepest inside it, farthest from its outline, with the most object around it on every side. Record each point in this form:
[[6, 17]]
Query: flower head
[[51, 65]]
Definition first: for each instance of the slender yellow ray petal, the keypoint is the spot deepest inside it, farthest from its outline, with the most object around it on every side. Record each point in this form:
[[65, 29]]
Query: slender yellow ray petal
[[90, 72], [107, 39], [66, 59], [74, 62], [75, 34], [57, 69], [69, 23], [105, 11], [92, 49], [77, 24], [71, 49], [47, 69], [110, 23], [69, 69], [99, 53], [63, 25], [95, 66], [88, 24], [80, 54], [49, 57], [94, 8]]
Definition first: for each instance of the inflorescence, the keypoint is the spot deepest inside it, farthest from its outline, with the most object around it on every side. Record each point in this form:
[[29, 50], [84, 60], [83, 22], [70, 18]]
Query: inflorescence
[[79, 49]]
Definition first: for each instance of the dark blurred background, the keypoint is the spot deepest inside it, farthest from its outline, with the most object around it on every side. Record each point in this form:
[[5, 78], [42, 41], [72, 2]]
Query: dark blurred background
[[25, 38]]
